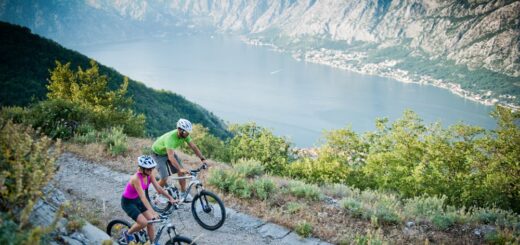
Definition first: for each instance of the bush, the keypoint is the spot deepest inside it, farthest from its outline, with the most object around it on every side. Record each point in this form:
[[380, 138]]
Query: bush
[[254, 142], [16, 114], [496, 216], [115, 140], [239, 186], [304, 229], [318, 171], [442, 221], [340, 191], [27, 164], [263, 188], [302, 190], [88, 137], [353, 206], [424, 207], [249, 168]]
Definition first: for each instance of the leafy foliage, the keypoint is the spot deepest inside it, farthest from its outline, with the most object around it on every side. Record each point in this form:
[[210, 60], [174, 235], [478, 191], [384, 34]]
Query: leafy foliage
[[89, 91], [253, 142], [304, 229], [27, 164], [469, 165]]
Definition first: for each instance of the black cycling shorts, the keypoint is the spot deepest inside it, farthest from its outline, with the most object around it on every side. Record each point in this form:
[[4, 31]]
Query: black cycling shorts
[[133, 207]]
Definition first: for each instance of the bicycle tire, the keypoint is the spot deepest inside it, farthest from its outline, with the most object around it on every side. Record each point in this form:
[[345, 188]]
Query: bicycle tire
[[115, 232], [200, 208], [160, 209], [178, 240]]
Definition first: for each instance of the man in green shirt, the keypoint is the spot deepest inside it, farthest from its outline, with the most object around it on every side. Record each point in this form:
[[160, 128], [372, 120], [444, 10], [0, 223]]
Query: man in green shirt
[[164, 153]]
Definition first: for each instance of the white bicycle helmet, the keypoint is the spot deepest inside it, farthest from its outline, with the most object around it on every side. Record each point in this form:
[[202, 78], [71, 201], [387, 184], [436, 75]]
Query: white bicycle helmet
[[146, 161], [184, 125]]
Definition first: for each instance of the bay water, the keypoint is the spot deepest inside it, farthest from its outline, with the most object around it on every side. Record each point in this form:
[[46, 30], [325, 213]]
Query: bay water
[[242, 83]]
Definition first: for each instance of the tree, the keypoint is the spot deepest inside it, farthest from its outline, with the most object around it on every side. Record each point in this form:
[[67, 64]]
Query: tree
[[89, 90]]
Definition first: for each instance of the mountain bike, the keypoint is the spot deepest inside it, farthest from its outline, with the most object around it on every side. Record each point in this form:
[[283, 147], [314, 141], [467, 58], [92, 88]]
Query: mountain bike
[[206, 207], [115, 229]]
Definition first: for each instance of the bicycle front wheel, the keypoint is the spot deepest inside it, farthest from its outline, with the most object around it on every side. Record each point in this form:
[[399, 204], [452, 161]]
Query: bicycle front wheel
[[178, 240], [115, 229], [159, 202], [208, 210]]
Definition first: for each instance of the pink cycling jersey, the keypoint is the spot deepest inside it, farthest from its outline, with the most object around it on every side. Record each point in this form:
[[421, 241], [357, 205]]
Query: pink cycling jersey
[[130, 192]]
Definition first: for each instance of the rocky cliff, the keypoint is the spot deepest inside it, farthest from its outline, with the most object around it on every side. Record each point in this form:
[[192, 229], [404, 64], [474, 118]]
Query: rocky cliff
[[477, 33]]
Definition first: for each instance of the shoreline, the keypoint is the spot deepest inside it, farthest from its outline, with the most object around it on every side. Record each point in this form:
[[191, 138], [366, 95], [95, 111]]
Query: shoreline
[[351, 62]]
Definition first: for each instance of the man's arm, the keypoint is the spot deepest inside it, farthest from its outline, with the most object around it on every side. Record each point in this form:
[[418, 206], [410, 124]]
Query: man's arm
[[196, 151]]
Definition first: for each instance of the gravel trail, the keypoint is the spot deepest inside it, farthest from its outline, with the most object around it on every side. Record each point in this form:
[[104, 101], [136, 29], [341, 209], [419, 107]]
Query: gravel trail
[[99, 185]]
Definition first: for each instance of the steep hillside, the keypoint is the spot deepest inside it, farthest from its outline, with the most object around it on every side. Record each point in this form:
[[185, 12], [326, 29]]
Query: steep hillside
[[25, 61]]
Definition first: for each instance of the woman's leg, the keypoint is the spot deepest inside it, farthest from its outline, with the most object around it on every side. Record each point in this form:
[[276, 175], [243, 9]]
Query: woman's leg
[[140, 223], [149, 227]]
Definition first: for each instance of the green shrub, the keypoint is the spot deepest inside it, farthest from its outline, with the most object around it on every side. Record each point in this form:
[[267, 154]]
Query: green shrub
[[318, 171], [249, 168], [27, 164], [304, 229], [87, 137], [239, 186], [424, 207], [217, 178], [263, 188], [253, 142], [387, 212], [302, 190], [340, 191], [88, 91], [496, 216], [16, 114], [443, 221], [353, 206], [115, 140]]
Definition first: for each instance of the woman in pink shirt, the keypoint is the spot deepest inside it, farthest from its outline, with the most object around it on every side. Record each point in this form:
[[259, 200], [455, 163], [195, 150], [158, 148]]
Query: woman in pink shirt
[[134, 201]]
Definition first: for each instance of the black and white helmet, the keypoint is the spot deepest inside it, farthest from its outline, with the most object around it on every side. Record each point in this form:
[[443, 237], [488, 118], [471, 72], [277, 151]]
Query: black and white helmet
[[146, 161], [184, 125]]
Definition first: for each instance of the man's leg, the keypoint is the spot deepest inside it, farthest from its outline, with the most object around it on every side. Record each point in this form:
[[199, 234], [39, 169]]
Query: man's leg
[[182, 182], [162, 168]]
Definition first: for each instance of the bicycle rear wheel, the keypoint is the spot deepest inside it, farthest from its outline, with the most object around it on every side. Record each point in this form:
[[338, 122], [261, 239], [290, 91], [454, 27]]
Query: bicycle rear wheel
[[208, 210], [115, 229], [178, 240]]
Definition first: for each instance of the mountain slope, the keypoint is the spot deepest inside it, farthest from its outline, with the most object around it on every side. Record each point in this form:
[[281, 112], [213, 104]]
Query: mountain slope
[[25, 61]]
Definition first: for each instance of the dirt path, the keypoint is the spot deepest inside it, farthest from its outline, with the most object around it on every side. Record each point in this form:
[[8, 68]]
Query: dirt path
[[94, 184]]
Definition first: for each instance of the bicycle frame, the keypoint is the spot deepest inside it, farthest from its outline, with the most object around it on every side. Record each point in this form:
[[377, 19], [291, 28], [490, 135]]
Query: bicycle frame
[[164, 220], [193, 181]]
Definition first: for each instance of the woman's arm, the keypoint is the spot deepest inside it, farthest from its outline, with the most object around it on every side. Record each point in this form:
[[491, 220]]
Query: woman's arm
[[160, 189]]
